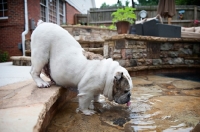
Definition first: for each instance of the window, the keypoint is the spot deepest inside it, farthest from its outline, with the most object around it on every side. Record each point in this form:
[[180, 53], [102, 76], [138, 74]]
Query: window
[[61, 12], [43, 10], [52, 11], [3, 9]]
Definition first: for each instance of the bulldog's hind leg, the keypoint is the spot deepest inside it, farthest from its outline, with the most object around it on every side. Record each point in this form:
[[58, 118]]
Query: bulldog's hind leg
[[47, 71], [38, 62]]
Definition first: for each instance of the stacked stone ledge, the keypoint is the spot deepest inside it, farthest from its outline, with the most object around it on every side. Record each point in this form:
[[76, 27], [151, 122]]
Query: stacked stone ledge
[[147, 52], [21, 60]]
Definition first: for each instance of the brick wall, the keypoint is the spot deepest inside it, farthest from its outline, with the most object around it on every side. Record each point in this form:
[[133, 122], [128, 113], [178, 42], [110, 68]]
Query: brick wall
[[11, 29], [70, 12], [33, 13]]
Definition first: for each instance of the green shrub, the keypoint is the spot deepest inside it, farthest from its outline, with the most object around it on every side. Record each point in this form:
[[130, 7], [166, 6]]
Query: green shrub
[[4, 56], [112, 27], [124, 14], [102, 26]]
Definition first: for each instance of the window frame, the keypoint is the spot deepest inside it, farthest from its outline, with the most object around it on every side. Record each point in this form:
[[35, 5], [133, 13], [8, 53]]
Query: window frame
[[63, 12], [45, 9], [3, 10], [58, 14]]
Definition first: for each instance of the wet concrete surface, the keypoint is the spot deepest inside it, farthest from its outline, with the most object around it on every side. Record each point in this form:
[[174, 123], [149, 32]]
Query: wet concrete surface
[[158, 103]]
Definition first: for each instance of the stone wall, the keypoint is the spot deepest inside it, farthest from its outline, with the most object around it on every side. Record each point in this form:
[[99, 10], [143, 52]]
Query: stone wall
[[137, 53], [89, 33], [91, 38]]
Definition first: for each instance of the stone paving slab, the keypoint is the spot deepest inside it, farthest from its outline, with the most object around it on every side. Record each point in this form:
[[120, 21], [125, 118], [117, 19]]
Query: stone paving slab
[[23, 106], [21, 119]]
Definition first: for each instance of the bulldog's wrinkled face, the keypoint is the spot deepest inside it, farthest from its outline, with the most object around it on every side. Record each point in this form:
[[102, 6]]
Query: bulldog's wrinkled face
[[121, 89]]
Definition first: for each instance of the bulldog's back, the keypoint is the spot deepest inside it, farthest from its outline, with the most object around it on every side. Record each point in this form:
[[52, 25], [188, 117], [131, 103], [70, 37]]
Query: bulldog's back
[[49, 34], [64, 53]]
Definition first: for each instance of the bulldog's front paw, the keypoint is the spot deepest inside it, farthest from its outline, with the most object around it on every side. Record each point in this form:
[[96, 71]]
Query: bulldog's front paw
[[88, 112], [43, 84]]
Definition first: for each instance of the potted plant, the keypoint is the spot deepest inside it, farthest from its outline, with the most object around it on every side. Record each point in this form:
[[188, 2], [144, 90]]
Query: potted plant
[[123, 18]]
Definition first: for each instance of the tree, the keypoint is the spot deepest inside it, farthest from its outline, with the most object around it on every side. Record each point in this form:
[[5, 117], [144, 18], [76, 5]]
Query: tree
[[127, 3], [118, 4], [187, 2], [148, 2], [178, 2], [104, 5]]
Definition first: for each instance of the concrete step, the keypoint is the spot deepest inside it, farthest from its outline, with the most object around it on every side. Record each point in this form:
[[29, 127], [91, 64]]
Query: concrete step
[[91, 46], [95, 50], [21, 60]]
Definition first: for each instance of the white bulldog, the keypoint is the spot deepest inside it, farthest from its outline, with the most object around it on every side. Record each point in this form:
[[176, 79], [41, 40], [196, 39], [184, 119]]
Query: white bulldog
[[55, 50]]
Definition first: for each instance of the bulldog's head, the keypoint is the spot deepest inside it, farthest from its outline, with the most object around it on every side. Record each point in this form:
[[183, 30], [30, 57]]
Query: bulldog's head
[[121, 88]]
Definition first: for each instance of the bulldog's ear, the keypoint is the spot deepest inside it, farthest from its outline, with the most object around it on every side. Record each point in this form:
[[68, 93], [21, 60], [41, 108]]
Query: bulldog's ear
[[118, 76]]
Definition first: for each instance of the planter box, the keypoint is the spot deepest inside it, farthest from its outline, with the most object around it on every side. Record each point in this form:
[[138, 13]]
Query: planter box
[[170, 31], [155, 28]]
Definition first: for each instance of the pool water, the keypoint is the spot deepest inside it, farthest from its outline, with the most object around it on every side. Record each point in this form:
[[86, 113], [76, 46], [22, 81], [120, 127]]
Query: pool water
[[185, 76], [158, 103]]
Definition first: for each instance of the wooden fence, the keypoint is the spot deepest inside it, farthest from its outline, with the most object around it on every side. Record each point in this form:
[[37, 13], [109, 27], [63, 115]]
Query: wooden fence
[[98, 16]]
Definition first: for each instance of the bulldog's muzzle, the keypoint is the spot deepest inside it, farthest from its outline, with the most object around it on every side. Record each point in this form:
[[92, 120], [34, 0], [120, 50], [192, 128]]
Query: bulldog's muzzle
[[125, 98]]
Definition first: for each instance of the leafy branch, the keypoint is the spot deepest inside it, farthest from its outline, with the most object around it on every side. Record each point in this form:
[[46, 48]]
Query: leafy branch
[[3, 56], [124, 14]]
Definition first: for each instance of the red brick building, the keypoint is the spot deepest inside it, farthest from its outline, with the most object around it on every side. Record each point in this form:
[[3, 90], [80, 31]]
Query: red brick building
[[12, 18]]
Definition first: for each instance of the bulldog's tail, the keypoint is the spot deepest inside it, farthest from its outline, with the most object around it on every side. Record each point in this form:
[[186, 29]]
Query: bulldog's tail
[[39, 22]]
